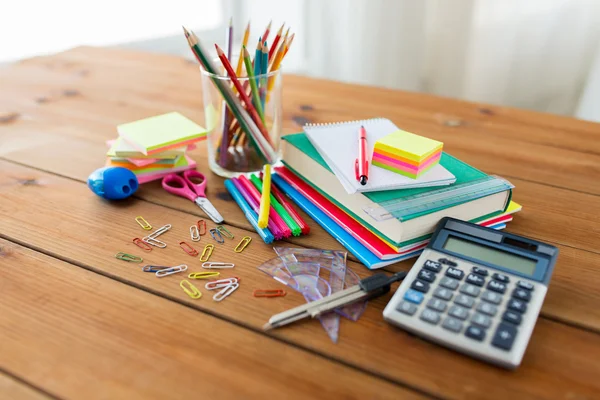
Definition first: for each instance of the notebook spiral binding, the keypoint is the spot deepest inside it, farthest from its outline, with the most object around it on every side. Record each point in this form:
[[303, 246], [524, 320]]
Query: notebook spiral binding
[[364, 122]]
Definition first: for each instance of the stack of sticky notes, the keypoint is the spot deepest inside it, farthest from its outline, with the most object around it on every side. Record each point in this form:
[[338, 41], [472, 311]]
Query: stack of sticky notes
[[406, 153], [154, 147]]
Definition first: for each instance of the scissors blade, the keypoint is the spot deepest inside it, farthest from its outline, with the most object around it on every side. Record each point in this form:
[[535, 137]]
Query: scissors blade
[[209, 209]]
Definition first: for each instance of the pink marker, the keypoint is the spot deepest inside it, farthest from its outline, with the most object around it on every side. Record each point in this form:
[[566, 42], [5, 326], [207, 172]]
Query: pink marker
[[273, 227]]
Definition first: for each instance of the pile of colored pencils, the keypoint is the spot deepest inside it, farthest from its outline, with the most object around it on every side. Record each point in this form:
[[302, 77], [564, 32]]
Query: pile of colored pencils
[[244, 130]]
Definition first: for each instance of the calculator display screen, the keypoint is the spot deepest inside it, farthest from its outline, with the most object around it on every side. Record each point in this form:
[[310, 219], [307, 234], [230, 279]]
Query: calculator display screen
[[493, 256]]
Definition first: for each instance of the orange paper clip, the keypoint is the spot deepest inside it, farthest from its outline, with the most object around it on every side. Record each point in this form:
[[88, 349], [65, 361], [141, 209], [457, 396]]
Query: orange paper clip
[[188, 249], [141, 244], [268, 293], [202, 227]]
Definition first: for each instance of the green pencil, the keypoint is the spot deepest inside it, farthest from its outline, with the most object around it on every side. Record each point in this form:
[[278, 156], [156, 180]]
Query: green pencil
[[253, 86], [287, 218]]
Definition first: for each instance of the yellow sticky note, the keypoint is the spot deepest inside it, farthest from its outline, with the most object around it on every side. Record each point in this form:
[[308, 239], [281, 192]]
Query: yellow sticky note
[[408, 145]]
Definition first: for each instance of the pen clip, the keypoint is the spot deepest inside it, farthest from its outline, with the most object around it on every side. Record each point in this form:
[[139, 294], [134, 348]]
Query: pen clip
[[356, 169]]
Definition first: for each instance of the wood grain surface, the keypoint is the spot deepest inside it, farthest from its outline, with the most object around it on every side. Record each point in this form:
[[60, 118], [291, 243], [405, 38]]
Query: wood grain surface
[[12, 389], [59, 112]]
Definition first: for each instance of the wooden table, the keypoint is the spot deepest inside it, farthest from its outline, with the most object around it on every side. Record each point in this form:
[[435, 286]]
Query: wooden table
[[77, 323]]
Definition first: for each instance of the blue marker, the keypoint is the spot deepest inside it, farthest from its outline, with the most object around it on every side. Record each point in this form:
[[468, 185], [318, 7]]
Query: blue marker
[[252, 217]]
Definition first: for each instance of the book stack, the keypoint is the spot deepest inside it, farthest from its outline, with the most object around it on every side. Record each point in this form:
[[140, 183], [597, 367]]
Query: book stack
[[154, 147], [373, 225]]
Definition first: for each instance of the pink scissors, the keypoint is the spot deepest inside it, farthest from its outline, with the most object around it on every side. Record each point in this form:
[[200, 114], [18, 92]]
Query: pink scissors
[[185, 187]]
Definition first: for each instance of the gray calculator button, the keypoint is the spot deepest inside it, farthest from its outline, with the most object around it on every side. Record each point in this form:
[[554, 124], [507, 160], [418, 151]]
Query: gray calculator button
[[469, 289], [505, 336], [475, 279], [458, 312], [437, 305], [481, 320], [443, 293], [487, 308], [465, 301], [406, 307], [497, 286], [455, 273], [522, 294], [525, 285], [449, 283], [426, 276], [517, 305], [430, 316], [432, 266], [452, 324], [491, 297], [475, 332]]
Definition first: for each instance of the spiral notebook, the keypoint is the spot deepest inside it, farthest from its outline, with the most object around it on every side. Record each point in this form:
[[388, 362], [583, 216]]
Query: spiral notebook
[[337, 143]]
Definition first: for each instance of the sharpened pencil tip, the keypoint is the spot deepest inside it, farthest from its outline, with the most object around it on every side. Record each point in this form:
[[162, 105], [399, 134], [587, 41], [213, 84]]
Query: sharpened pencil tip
[[267, 327], [230, 21]]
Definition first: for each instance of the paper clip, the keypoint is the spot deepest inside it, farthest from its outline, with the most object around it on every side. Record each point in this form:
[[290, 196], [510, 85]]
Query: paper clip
[[206, 253], [141, 244], [188, 249], [194, 233], [204, 275], [223, 231], [221, 283], [128, 257], [153, 268], [143, 223], [214, 232], [190, 289], [217, 265], [201, 227], [159, 231], [172, 270], [225, 292], [268, 293], [243, 243], [154, 242]]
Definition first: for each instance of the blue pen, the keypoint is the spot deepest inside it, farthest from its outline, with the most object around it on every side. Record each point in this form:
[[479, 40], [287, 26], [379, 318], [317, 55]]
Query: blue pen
[[252, 217]]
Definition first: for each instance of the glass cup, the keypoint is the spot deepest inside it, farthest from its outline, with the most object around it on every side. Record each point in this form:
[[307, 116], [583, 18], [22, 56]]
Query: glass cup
[[231, 150]]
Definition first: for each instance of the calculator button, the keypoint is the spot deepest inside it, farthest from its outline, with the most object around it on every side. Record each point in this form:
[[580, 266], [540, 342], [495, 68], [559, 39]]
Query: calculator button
[[448, 262], [432, 266], [470, 290], [482, 320], [475, 332], [525, 285], [465, 301], [420, 286], [413, 296], [406, 307], [491, 297], [475, 280], [501, 278], [505, 336], [487, 308], [512, 317], [497, 286], [427, 276], [430, 316], [452, 324], [480, 271], [455, 273], [458, 312], [437, 305], [443, 293], [522, 294], [517, 305], [449, 283]]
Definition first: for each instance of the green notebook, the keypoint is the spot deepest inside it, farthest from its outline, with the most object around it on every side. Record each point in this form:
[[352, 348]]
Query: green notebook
[[315, 171]]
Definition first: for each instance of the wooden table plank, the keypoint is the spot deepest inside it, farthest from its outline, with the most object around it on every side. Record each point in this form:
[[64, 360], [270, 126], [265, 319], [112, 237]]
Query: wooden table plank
[[72, 224], [12, 389], [91, 337]]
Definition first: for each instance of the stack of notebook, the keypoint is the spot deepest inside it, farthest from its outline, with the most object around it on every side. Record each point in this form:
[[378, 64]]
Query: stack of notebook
[[380, 227], [154, 147]]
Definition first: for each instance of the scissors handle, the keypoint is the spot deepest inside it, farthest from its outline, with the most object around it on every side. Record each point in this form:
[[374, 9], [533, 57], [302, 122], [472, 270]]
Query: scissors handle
[[199, 188], [178, 186]]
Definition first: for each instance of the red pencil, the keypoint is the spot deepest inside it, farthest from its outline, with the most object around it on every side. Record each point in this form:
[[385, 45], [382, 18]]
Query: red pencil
[[266, 34], [242, 93], [275, 41]]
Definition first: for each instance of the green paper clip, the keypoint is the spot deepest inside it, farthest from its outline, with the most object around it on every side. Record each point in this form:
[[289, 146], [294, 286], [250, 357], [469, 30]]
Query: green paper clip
[[128, 257], [225, 232]]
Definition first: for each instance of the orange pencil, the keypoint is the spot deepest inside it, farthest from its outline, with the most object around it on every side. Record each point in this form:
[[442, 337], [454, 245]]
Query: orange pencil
[[288, 44]]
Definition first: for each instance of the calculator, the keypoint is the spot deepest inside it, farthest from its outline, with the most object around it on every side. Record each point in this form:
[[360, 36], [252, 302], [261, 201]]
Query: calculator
[[475, 290]]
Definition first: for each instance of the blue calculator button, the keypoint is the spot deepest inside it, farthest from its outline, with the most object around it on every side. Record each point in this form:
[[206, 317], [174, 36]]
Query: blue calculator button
[[413, 296]]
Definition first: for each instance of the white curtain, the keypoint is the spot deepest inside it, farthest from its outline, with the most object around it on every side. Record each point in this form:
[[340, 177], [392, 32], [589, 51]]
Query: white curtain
[[536, 54]]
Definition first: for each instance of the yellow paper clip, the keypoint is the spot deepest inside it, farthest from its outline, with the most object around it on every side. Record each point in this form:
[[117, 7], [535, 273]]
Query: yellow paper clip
[[190, 289], [207, 252], [128, 257], [242, 244], [225, 232], [143, 223], [203, 275]]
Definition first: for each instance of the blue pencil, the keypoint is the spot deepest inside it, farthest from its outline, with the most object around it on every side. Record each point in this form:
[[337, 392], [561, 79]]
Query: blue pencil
[[258, 60], [252, 217], [264, 64]]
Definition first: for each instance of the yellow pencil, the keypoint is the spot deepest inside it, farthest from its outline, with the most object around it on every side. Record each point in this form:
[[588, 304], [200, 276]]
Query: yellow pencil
[[238, 69], [265, 198]]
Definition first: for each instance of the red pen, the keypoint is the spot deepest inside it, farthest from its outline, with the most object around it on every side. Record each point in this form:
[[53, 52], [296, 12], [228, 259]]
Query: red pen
[[361, 165]]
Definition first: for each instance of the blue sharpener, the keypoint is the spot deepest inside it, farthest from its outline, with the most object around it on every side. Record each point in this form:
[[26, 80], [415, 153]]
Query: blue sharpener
[[113, 183]]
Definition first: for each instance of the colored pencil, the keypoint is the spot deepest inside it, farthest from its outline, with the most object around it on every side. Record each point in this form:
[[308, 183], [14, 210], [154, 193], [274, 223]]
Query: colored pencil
[[264, 64], [288, 44], [276, 41], [238, 69], [265, 35], [253, 86], [226, 115], [280, 49], [258, 60]]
